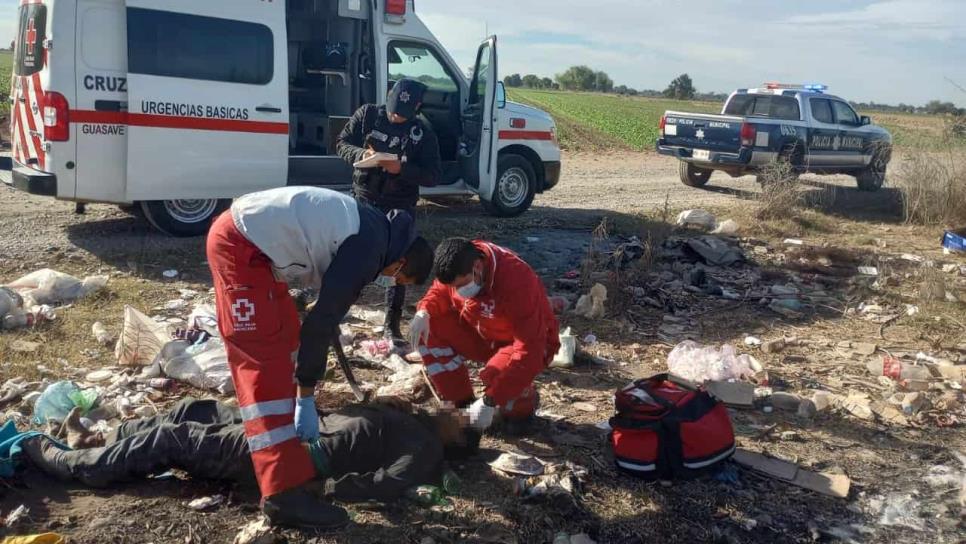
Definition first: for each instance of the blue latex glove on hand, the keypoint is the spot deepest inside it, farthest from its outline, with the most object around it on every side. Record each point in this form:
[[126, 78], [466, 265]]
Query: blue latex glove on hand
[[306, 419]]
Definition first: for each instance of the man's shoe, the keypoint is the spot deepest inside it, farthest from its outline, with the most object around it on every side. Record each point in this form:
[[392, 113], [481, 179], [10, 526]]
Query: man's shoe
[[47, 457], [302, 509]]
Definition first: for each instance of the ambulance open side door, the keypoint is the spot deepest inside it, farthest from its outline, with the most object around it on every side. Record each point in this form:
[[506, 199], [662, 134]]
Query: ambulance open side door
[[207, 103], [478, 153]]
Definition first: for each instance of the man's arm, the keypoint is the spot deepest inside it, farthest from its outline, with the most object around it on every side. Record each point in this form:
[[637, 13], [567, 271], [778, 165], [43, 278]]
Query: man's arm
[[415, 463], [352, 140], [514, 367], [437, 300], [352, 269], [425, 168]]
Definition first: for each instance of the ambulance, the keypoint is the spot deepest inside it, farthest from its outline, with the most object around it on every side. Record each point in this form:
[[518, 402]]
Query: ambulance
[[174, 107]]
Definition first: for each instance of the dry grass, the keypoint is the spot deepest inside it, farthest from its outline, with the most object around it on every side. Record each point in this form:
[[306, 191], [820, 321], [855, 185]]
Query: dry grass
[[933, 188]]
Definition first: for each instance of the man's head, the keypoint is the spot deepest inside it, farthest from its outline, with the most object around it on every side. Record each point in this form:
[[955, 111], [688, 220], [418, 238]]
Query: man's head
[[405, 99], [452, 426], [415, 266], [458, 263]]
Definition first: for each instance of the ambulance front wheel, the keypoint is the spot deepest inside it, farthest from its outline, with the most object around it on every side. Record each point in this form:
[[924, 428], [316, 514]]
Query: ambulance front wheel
[[516, 185], [183, 218]]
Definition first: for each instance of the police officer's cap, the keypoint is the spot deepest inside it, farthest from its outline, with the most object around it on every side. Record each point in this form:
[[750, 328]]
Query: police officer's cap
[[406, 94]]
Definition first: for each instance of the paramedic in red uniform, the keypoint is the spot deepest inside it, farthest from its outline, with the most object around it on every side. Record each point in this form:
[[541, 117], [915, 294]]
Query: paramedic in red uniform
[[486, 305], [313, 238]]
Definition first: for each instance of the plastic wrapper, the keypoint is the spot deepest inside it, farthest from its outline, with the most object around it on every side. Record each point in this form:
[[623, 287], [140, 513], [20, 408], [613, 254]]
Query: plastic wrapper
[[48, 286], [697, 363], [141, 339], [204, 366]]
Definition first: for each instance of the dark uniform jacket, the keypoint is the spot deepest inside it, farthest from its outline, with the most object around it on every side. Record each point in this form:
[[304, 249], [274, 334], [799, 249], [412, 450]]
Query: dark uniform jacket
[[414, 142]]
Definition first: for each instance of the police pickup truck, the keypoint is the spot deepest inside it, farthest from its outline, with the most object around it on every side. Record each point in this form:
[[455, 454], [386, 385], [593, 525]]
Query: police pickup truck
[[785, 128]]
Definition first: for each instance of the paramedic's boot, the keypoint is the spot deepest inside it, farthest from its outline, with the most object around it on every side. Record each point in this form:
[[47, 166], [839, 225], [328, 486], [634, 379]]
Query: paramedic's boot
[[78, 437], [392, 331], [519, 417], [47, 457], [302, 509]]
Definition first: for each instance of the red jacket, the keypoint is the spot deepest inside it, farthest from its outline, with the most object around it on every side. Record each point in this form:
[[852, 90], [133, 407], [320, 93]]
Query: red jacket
[[512, 311]]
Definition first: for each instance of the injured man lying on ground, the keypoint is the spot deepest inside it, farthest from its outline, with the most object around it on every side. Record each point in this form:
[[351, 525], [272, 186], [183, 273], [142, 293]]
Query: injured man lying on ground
[[370, 452]]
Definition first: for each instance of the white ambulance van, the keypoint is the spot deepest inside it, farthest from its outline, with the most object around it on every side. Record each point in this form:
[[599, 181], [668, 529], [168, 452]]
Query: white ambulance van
[[178, 106]]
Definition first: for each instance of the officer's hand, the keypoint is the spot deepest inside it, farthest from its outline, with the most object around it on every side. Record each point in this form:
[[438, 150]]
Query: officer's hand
[[392, 167], [419, 329], [368, 153], [306, 419]]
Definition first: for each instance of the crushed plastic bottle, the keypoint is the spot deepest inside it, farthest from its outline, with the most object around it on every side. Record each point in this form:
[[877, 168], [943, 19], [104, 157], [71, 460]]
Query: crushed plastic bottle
[[897, 370], [451, 482], [699, 364], [427, 495]]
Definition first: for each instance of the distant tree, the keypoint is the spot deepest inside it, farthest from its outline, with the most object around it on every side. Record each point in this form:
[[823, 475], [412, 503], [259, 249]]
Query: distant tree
[[936, 107], [682, 88], [531, 81], [578, 78], [513, 80], [546, 83], [620, 89], [603, 83]]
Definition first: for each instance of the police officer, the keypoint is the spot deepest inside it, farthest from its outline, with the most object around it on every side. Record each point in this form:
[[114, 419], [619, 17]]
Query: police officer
[[397, 129]]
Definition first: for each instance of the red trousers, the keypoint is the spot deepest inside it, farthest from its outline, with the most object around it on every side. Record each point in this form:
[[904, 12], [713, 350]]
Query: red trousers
[[259, 324], [452, 343]]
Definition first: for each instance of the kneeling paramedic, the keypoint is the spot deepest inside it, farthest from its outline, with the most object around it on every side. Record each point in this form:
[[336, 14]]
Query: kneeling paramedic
[[398, 129], [488, 305], [314, 238]]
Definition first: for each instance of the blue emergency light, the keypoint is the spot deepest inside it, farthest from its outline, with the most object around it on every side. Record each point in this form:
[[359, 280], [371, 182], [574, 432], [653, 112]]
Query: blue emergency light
[[816, 87]]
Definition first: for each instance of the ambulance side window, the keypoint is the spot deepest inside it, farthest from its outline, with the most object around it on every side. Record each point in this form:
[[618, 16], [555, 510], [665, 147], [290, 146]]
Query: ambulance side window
[[168, 44], [419, 62], [478, 86]]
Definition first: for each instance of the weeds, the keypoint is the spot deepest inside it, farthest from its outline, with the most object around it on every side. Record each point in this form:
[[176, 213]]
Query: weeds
[[780, 196], [933, 188]]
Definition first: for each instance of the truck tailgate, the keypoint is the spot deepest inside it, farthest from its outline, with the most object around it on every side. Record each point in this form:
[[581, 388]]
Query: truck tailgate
[[720, 133]]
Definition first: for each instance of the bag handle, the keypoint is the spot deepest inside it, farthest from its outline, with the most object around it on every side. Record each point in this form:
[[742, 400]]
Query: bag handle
[[644, 384]]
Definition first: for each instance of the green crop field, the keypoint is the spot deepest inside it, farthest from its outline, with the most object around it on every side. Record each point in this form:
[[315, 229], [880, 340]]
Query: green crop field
[[6, 66], [590, 121]]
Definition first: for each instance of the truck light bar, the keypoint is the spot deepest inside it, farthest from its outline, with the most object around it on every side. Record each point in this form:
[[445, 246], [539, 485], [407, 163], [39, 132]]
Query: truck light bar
[[815, 87]]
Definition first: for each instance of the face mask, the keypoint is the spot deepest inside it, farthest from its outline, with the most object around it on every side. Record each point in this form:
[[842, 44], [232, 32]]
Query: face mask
[[386, 281], [469, 290]]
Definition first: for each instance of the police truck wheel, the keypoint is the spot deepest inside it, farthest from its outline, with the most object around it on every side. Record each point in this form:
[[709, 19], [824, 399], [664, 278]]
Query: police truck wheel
[[516, 185], [183, 218], [693, 176], [872, 178]]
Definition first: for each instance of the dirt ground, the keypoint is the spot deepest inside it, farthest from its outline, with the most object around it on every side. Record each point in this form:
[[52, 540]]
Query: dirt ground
[[897, 493]]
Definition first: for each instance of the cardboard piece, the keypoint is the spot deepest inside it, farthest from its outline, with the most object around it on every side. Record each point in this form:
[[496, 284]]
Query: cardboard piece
[[833, 485], [740, 394]]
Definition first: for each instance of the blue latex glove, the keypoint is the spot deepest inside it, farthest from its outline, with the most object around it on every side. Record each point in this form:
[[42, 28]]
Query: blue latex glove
[[306, 419]]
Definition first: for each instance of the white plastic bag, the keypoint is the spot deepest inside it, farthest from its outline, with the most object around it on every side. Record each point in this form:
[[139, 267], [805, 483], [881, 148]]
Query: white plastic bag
[[141, 339], [699, 364], [700, 218], [204, 366], [205, 318], [568, 349], [48, 286], [591, 305]]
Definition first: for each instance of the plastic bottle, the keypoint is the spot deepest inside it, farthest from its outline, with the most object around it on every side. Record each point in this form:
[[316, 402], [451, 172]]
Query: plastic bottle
[[427, 495], [897, 370], [100, 333], [451, 483]]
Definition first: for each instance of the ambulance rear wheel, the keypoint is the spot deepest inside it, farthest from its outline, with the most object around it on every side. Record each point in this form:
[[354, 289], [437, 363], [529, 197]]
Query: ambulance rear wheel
[[516, 185], [183, 218]]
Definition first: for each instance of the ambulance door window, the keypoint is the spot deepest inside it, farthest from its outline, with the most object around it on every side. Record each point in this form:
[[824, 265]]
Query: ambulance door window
[[32, 29]]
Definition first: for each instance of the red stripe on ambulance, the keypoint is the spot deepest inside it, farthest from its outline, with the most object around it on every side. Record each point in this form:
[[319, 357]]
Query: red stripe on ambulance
[[186, 123], [526, 135]]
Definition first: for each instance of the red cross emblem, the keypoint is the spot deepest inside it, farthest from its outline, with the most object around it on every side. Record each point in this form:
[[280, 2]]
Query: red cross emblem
[[243, 310], [31, 36]]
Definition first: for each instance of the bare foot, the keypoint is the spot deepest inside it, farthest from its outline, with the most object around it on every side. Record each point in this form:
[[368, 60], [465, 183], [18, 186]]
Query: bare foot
[[78, 437]]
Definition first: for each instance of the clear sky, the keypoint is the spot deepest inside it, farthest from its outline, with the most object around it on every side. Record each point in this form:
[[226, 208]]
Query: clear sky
[[883, 50]]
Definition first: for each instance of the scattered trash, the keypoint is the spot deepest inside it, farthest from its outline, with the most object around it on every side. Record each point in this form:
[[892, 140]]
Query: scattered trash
[[141, 339], [98, 376], [786, 402], [204, 503], [590, 339], [59, 398], [100, 334], [405, 380], [532, 239], [699, 218], [48, 286], [833, 485], [591, 305], [789, 307], [584, 407], [45, 538], [953, 242], [204, 366], [176, 305], [793, 242], [698, 363], [170, 274], [714, 251], [23, 346], [868, 271], [377, 348], [557, 480], [752, 341], [515, 463], [726, 228], [913, 403], [900, 510], [739, 394], [427, 495], [15, 515], [776, 346], [897, 370], [565, 538], [256, 532]]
